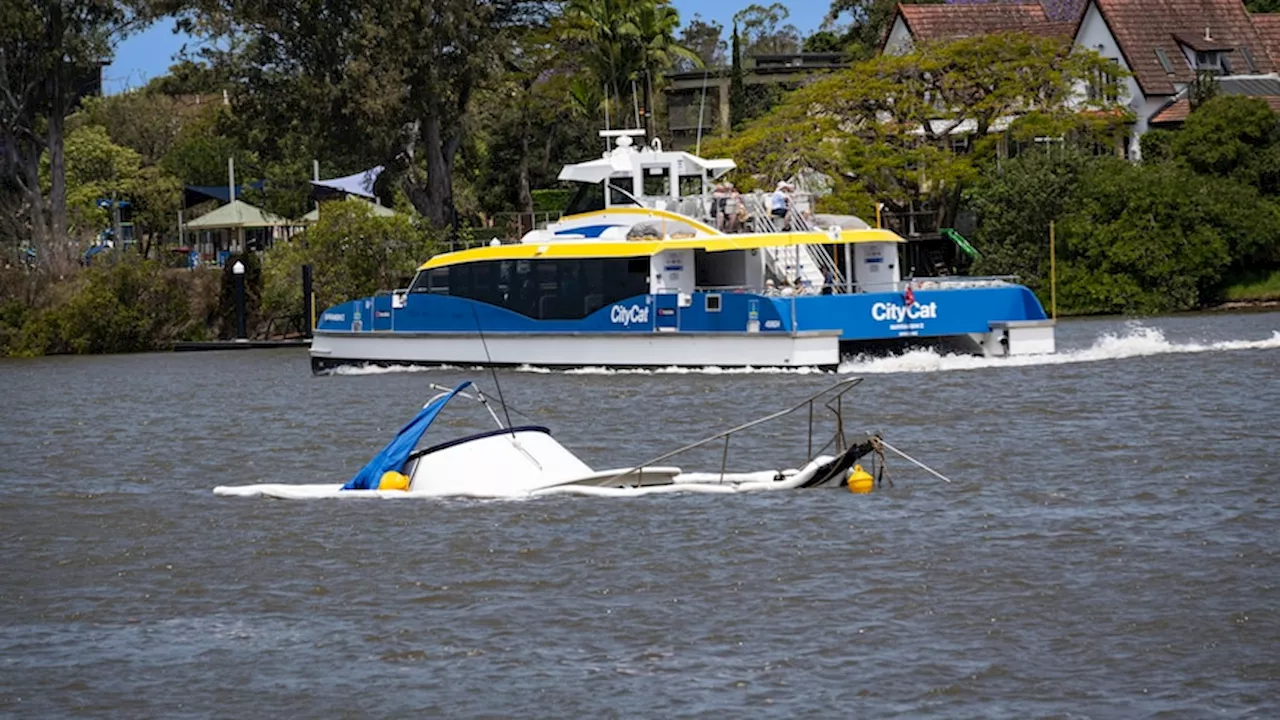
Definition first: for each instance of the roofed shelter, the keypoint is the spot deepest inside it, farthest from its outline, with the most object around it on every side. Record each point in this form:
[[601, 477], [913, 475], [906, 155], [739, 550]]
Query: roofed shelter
[[234, 228]]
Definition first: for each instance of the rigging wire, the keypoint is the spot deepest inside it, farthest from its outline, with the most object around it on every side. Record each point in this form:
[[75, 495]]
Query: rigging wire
[[492, 372]]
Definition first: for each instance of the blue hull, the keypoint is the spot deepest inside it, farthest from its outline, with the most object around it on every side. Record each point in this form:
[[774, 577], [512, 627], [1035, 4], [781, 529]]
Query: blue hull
[[872, 317]]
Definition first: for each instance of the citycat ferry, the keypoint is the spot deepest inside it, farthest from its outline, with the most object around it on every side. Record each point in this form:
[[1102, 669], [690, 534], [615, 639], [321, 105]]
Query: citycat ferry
[[638, 274]]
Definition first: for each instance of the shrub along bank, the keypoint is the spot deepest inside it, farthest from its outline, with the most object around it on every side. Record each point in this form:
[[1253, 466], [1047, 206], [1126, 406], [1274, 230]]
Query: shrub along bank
[[130, 305]]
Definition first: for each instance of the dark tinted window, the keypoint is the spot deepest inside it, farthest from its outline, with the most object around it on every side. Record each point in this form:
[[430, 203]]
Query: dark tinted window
[[587, 199], [542, 289]]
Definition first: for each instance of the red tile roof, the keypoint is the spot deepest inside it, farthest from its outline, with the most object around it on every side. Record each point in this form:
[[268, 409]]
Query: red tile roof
[[941, 23], [1176, 112], [1268, 27], [1141, 27]]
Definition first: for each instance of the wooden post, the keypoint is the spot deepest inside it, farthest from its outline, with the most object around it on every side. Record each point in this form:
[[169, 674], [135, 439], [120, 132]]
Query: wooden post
[[1053, 274]]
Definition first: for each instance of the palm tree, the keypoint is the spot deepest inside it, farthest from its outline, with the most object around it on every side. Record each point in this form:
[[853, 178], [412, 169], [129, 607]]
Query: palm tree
[[657, 23], [624, 42]]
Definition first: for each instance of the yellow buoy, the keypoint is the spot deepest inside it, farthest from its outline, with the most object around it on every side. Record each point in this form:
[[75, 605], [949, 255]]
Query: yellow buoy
[[392, 480], [860, 481]]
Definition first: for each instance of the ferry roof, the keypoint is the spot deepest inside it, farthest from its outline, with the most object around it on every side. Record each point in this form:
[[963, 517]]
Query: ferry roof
[[643, 248]]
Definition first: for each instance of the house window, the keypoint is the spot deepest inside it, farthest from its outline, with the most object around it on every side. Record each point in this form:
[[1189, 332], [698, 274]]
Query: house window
[[1103, 87], [1164, 61], [1210, 61]]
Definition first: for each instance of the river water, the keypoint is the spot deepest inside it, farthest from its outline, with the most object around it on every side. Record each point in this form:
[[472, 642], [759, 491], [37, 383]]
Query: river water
[[1110, 546]]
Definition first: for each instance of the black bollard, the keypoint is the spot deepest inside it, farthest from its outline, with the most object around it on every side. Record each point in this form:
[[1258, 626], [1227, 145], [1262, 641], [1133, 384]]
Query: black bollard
[[308, 302], [237, 271]]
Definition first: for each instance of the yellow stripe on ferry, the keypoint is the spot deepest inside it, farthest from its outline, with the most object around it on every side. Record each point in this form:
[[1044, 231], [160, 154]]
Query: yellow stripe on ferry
[[575, 249]]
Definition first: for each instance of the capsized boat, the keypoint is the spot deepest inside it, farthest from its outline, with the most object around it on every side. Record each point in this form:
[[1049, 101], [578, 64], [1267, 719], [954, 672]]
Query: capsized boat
[[516, 461]]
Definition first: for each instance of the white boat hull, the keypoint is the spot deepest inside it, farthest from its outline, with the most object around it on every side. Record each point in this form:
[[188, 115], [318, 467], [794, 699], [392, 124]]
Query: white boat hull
[[806, 349]]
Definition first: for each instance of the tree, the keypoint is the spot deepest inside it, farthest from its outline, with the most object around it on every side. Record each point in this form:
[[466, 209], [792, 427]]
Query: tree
[[354, 253], [706, 40], [96, 170], [365, 81], [763, 30], [868, 22], [1153, 238], [50, 53], [626, 44], [1233, 136], [889, 123]]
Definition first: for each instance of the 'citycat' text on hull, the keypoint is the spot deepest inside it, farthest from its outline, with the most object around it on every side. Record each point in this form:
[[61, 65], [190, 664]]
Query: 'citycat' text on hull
[[642, 272]]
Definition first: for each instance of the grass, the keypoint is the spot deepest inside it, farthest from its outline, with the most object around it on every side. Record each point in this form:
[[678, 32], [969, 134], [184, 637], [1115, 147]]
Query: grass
[[1261, 285]]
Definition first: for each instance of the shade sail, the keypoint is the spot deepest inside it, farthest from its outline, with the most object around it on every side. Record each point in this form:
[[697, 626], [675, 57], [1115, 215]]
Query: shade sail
[[360, 184], [196, 194]]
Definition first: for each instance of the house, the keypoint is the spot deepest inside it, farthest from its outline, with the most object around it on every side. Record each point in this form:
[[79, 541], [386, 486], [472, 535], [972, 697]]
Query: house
[[1165, 46], [1168, 44], [913, 24]]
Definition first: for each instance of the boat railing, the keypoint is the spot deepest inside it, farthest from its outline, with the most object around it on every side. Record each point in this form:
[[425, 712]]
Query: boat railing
[[514, 225], [959, 282], [831, 398]]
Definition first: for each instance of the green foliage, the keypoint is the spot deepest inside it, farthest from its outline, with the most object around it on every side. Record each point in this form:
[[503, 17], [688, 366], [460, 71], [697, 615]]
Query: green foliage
[[1233, 136], [1131, 238], [96, 168], [1149, 238], [868, 21], [226, 312], [1262, 6], [1014, 206], [764, 32], [1253, 286], [706, 40], [554, 200], [132, 305], [887, 123], [352, 252]]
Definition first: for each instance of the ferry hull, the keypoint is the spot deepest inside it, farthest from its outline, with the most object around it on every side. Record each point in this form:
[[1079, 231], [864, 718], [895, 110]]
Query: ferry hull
[[571, 350]]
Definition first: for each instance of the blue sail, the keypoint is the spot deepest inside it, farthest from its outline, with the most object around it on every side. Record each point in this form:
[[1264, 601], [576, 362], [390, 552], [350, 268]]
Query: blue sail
[[394, 455]]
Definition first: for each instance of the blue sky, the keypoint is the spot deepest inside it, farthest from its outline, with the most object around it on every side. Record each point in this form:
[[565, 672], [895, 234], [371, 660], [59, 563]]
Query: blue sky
[[149, 53]]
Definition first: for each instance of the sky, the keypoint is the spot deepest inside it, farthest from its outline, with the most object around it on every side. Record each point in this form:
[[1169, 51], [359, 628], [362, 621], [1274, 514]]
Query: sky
[[148, 54]]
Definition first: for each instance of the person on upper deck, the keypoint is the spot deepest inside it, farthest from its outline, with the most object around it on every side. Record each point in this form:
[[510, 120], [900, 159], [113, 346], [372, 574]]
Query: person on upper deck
[[719, 194], [780, 204]]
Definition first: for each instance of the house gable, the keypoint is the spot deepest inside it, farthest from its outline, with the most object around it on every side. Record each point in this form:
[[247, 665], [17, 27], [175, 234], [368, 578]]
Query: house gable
[[1152, 35]]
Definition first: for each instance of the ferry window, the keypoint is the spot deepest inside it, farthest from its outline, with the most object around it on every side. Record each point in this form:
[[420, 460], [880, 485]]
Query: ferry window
[[484, 283], [588, 198], [546, 289], [432, 281], [419, 284], [657, 182], [620, 191], [593, 289], [690, 185], [460, 281]]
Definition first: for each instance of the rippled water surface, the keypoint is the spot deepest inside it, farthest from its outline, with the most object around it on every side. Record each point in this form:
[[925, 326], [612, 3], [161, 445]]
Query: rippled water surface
[[1109, 548]]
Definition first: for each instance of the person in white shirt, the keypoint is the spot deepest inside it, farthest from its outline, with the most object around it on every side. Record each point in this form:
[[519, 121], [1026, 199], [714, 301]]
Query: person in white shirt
[[780, 204]]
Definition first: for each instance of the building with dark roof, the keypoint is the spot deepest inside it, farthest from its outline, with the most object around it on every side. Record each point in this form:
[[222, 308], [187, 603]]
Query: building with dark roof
[[698, 100], [914, 24]]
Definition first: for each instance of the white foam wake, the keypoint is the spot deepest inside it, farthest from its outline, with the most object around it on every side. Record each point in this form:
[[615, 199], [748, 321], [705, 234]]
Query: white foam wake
[[1137, 342]]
